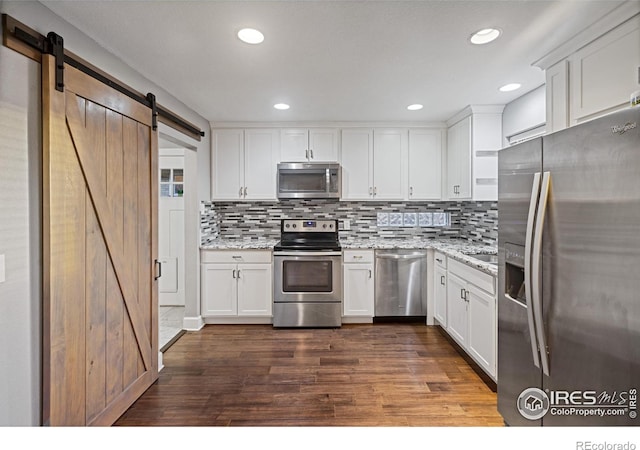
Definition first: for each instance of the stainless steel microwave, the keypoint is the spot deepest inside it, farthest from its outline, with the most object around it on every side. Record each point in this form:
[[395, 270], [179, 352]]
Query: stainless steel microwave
[[309, 180]]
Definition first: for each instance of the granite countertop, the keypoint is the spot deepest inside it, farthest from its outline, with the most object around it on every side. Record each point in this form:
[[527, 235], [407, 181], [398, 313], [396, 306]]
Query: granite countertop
[[240, 244], [457, 249], [460, 250]]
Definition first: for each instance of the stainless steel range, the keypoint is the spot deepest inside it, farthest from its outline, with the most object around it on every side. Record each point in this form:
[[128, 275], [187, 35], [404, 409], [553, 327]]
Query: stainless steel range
[[307, 275]]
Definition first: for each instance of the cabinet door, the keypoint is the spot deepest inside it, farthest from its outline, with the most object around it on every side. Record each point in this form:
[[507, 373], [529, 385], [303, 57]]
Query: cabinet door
[[323, 145], [459, 160], [219, 290], [440, 292], [227, 165], [482, 328], [357, 164], [457, 309], [389, 159], [358, 290], [255, 291], [605, 72], [294, 144], [425, 164], [260, 159]]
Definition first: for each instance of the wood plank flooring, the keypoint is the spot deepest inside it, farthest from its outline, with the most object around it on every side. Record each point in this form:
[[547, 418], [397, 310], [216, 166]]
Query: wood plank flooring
[[395, 374]]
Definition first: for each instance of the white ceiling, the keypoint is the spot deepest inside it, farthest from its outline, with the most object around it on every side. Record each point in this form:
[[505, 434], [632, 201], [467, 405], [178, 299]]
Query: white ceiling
[[333, 60]]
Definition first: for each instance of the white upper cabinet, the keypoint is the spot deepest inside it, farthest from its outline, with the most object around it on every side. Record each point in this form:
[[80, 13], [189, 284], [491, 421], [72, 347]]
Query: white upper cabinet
[[374, 164], [227, 165], [474, 138], [312, 145], [357, 164], [459, 160], [595, 72], [425, 164], [605, 73], [244, 164]]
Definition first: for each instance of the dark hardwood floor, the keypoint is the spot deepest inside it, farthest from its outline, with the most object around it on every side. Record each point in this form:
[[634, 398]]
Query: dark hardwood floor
[[390, 374]]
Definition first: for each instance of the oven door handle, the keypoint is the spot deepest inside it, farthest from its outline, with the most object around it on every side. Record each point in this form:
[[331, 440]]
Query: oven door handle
[[303, 253]]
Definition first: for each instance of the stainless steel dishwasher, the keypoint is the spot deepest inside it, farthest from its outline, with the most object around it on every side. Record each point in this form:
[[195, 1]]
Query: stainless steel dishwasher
[[401, 283]]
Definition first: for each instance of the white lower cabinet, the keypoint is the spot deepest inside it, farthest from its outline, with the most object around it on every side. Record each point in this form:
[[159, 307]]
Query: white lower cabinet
[[440, 289], [236, 283], [471, 313], [358, 279], [457, 309]]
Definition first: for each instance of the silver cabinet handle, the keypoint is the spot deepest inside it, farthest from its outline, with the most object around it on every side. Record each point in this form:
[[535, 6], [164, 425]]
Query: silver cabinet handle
[[245, 191], [240, 191], [306, 154], [533, 203], [442, 280], [236, 257], [439, 260], [462, 294], [411, 191], [311, 153], [535, 271], [375, 191], [357, 256], [238, 274], [466, 295], [370, 191], [370, 274], [233, 274]]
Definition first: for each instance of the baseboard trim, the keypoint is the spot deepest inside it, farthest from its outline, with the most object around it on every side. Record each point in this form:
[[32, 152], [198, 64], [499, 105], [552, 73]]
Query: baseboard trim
[[192, 323]]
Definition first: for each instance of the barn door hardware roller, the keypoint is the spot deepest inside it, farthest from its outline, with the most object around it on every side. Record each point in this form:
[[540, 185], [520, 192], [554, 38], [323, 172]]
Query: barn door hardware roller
[[54, 45]]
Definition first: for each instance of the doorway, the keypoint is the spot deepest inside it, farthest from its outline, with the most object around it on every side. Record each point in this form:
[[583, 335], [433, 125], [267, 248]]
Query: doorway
[[171, 241]]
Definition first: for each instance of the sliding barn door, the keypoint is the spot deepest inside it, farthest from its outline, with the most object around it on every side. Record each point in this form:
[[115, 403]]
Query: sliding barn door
[[100, 345]]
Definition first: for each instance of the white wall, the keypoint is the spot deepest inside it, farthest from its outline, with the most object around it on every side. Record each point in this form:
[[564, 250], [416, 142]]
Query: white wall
[[524, 113], [20, 300], [20, 148]]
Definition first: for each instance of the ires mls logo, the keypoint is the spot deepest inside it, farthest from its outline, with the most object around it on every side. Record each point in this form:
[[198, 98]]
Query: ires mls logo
[[534, 403]]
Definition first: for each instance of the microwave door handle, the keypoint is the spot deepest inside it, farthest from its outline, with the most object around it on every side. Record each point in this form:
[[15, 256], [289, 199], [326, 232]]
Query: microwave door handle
[[535, 270], [533, 202]]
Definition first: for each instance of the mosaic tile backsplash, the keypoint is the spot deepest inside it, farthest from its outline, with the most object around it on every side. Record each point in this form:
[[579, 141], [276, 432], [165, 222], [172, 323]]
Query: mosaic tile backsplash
[[476, 222]]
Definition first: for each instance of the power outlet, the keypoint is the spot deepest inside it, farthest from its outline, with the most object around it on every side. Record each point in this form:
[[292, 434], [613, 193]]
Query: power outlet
[[346, 224]]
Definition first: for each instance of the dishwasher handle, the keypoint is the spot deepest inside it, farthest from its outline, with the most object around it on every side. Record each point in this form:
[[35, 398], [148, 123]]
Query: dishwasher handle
[[391, 256]]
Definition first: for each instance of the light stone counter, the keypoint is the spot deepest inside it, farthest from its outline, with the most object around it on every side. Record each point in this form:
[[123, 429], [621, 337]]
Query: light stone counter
[[454, 248], [240, 244], [460, 250]]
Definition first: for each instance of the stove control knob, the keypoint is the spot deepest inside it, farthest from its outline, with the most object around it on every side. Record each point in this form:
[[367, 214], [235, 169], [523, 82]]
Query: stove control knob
[[324, 225], [286, 226], [294, 225], [330, 225]]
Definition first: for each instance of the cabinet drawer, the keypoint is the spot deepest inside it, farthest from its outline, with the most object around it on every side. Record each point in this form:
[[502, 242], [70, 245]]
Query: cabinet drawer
[[440, 260], [476, 277], [236, 256], [358, 256]]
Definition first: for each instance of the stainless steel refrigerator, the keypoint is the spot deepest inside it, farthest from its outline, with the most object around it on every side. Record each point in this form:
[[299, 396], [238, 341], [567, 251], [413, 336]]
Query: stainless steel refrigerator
[[569, 276]]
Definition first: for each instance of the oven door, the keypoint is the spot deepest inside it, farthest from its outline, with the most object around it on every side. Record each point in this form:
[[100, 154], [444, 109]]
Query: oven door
[[305, 276]]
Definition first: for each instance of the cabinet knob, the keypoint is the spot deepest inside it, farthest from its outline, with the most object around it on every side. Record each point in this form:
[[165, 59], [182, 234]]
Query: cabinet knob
[[411, 191]]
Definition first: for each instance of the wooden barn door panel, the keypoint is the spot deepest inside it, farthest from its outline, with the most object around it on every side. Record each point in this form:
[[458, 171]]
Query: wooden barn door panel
[[100, 243]]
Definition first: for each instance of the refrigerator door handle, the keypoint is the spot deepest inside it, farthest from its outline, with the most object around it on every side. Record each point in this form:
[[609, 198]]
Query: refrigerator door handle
[[535, 194], [535, 270]]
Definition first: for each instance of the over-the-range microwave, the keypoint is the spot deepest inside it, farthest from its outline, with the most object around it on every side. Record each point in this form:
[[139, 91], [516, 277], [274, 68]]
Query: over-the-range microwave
[[309, 180]]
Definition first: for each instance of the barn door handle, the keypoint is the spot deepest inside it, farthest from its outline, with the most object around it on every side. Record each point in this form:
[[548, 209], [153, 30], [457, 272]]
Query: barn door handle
[[159, 269]]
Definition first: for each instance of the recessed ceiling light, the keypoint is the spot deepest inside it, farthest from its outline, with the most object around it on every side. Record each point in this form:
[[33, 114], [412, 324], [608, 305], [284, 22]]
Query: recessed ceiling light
[[414, 107], [250, 36], [510, 87], [281, 106], [484, 36]]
